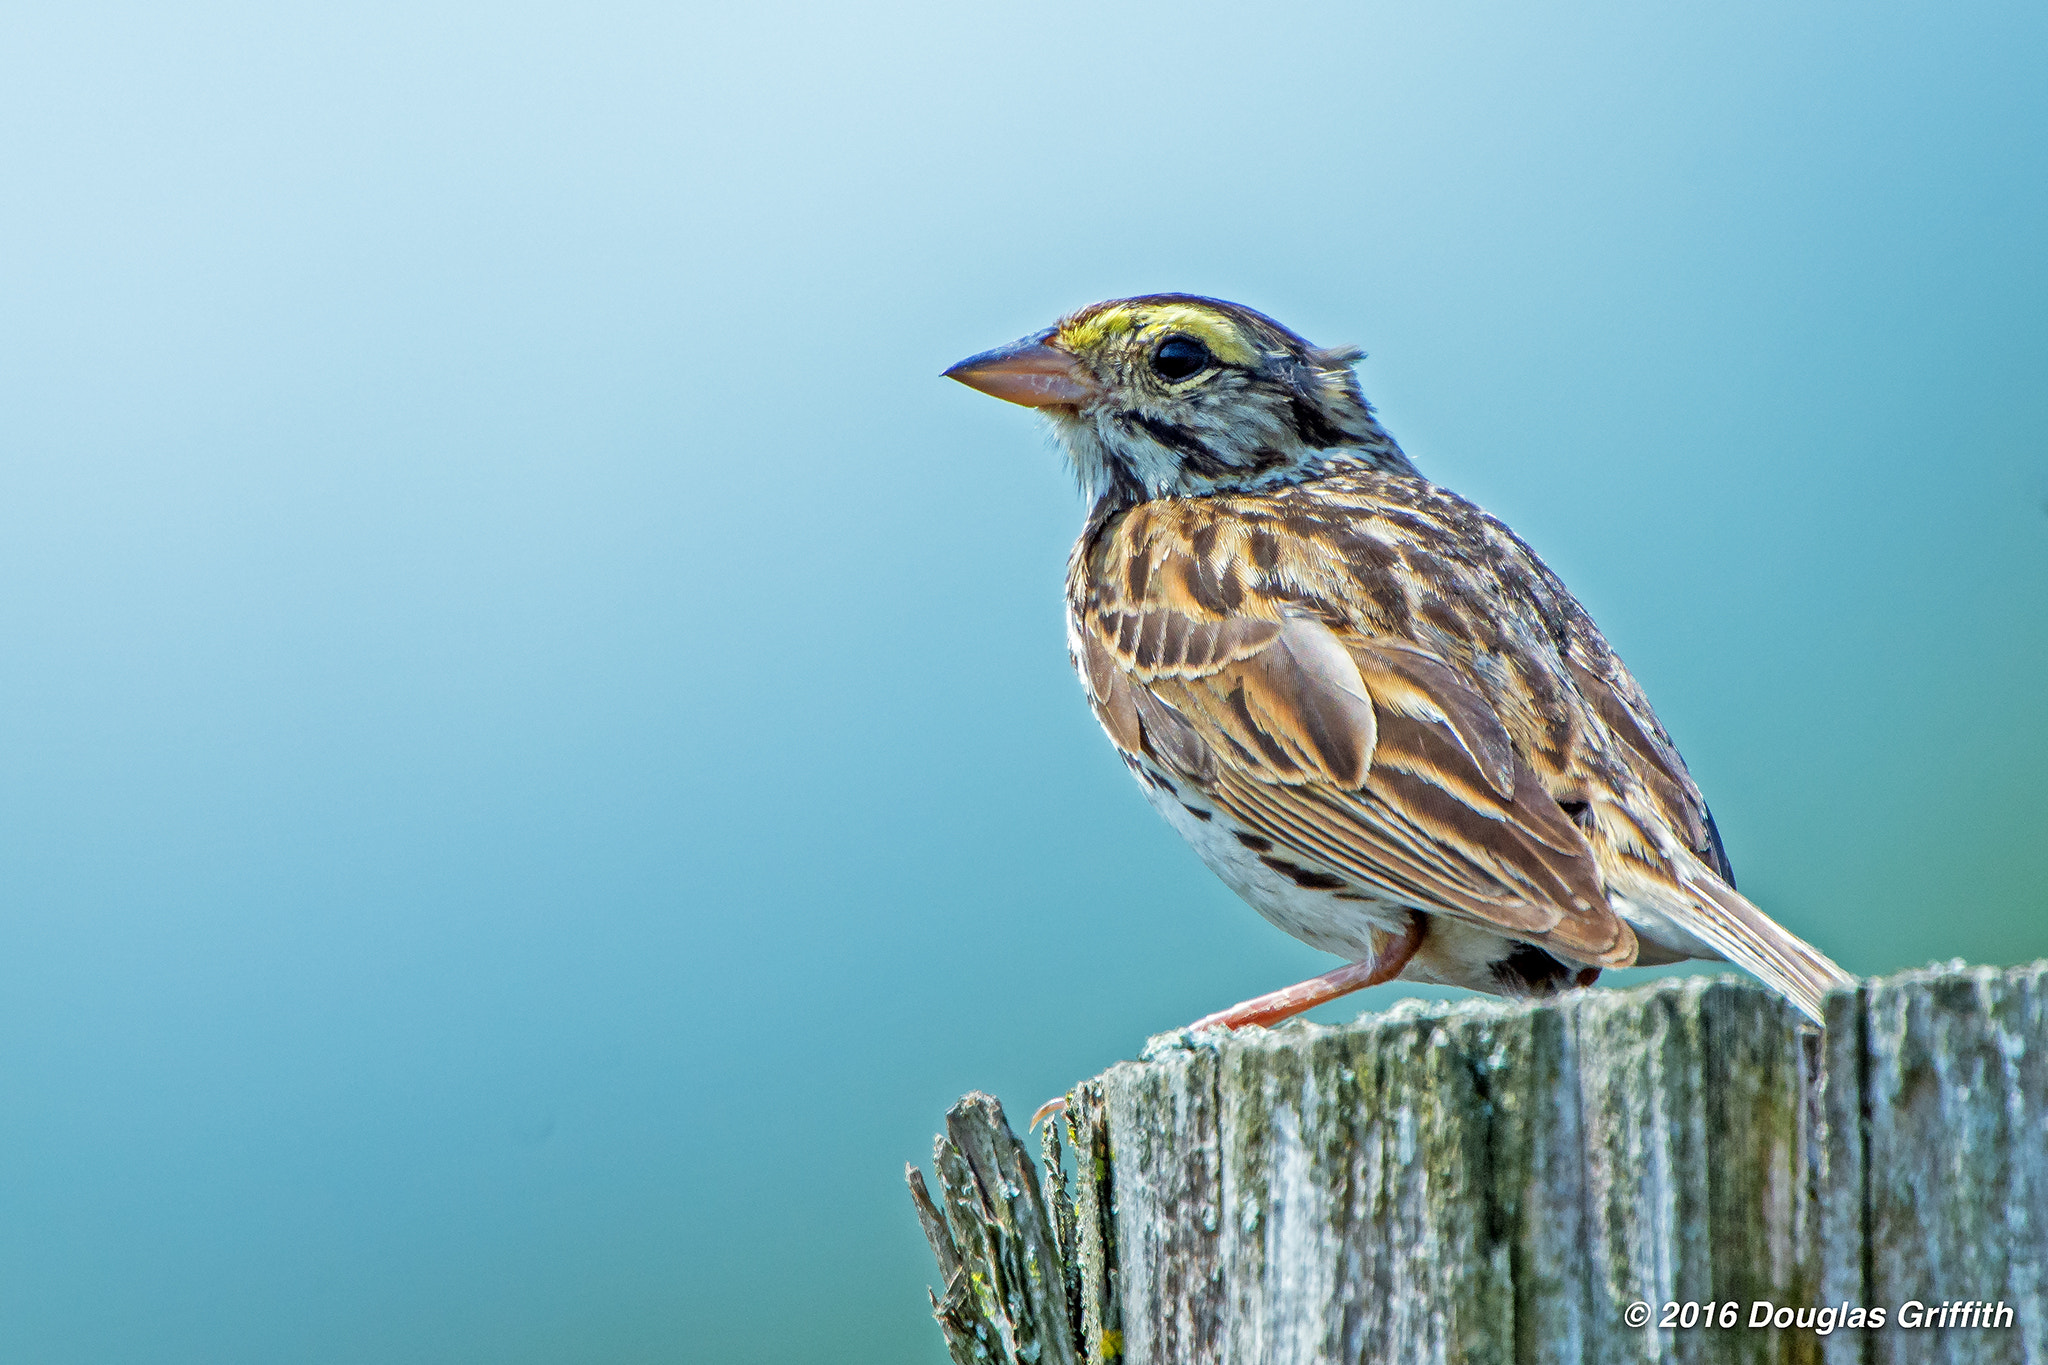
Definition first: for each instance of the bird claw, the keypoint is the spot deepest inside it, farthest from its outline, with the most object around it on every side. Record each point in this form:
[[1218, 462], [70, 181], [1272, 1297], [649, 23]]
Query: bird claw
[[1056, 1105]]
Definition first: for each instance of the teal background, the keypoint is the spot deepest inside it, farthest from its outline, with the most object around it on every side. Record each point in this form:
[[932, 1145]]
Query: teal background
[[536, 749]]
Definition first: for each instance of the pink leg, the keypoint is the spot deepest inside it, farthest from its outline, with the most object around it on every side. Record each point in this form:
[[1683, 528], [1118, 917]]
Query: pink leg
[[1285, 1004], [1384, 965]]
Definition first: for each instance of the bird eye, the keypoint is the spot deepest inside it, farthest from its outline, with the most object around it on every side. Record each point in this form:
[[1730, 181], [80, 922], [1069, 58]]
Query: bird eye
[[1179, 357]]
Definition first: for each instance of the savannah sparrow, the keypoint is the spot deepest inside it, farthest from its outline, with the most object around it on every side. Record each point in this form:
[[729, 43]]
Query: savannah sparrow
[[1370, 708]]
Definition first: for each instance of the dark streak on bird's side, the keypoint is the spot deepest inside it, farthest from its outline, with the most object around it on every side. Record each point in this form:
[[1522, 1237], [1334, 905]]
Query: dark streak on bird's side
[[1303, 877]]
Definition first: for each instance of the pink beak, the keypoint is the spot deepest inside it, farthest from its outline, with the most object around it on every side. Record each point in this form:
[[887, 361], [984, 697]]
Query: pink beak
[[1029, 372]]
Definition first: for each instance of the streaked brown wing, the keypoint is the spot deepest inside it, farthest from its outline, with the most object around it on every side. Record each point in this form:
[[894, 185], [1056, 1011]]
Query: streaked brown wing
[[1377, 760], [1649, 755]]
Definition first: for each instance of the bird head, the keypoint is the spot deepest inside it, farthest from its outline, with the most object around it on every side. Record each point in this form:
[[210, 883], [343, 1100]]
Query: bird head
[[1172, 395]]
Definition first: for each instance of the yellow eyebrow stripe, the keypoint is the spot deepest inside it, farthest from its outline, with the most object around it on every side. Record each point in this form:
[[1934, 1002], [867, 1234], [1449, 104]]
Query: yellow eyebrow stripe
[[1215, 331]]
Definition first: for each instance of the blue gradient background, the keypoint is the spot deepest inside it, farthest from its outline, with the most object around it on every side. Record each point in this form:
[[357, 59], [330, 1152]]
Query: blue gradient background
[[536, 751]]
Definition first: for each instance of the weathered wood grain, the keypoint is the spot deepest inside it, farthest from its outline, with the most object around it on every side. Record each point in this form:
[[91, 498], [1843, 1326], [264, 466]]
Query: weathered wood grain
[[1955, 1156], [1499, 1182], [1006, 1298]]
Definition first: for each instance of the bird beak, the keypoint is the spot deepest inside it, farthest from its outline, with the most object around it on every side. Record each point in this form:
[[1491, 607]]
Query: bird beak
[[1029, 372]]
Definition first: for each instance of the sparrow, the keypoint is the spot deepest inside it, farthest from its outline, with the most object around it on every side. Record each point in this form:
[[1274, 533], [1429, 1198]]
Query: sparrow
[[1366, 703]]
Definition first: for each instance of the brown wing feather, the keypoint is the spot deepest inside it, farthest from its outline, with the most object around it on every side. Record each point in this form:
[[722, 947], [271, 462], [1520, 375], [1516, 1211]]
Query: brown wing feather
[[1416, 684], [1375, 760], [1656, 765]]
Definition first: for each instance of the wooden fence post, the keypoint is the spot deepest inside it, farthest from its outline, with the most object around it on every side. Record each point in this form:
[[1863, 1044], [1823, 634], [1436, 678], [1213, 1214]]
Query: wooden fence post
[[1493, 1182]]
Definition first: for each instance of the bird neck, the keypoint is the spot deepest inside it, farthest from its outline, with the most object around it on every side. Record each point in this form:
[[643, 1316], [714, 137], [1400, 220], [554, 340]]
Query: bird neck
[[1121, 473]]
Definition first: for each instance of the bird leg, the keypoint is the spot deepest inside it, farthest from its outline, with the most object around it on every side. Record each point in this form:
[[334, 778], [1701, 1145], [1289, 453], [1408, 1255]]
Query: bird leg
[[1275, 1006], [1383, 965]]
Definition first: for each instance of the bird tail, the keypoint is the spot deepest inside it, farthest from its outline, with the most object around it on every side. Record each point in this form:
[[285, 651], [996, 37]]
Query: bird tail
[[1746, 936]]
